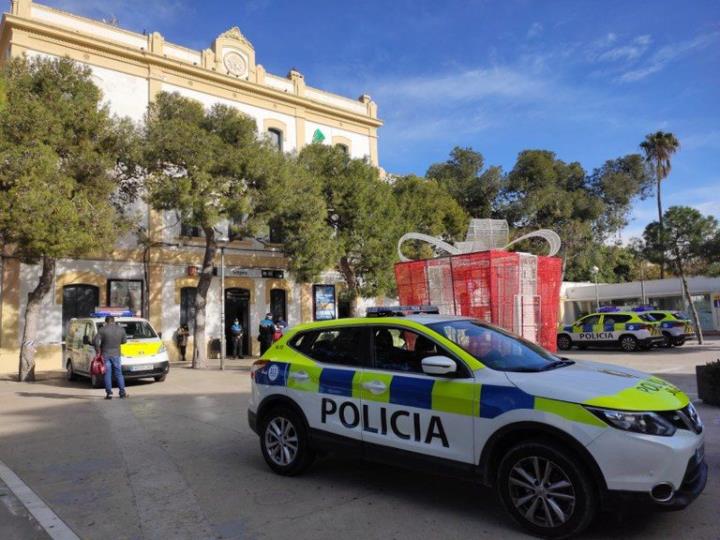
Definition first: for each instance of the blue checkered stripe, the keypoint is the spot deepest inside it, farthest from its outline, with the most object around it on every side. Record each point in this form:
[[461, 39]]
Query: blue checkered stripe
[[409, 391]]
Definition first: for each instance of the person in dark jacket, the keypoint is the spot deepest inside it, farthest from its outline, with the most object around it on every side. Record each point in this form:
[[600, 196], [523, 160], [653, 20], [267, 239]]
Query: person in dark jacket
[[236, 333], [181, 337], [266, 331], [107, 342]]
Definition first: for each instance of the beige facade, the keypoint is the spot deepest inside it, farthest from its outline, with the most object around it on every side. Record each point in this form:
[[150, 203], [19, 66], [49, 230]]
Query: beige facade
[[130, 69]]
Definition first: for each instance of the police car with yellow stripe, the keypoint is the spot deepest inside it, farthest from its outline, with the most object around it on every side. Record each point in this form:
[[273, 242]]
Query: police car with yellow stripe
[[558, 439], [611, 326], [143, 356]]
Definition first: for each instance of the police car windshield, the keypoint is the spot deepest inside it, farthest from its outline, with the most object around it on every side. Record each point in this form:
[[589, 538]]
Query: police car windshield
[[135, 329], [497, 349]]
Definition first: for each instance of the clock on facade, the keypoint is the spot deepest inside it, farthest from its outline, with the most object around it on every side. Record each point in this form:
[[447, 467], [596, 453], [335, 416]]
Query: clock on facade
[[235, 64]]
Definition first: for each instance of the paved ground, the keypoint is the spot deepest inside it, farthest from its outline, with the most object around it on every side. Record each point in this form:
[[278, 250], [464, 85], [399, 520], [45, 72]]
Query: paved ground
[[177, 460]]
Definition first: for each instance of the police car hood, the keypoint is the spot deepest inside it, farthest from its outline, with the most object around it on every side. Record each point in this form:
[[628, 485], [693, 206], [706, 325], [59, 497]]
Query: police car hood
[[602, 385]]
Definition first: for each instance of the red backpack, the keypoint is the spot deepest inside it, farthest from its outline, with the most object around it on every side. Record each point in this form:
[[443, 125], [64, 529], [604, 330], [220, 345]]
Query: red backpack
[[97, 366]]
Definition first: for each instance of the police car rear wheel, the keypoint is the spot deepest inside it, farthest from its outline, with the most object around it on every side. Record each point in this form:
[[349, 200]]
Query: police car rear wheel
[[284, 442], [629, 343], [69, 371], [667, 340], [679, 342], [564, 343], [546, 490]]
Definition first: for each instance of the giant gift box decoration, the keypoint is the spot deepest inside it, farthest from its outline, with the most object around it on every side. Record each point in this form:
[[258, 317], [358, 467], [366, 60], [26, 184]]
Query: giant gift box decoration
[[519, 292]]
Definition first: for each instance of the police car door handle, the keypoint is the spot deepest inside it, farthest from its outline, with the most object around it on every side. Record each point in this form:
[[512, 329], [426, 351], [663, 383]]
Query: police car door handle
[[375, 387], [300, 375]]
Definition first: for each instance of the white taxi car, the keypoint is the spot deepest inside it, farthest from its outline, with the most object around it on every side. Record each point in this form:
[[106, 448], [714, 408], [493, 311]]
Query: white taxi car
[[558, 439], [143, 356]]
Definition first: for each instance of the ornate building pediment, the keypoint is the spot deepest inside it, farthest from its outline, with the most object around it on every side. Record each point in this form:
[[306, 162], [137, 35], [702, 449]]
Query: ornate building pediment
[[234, 54]]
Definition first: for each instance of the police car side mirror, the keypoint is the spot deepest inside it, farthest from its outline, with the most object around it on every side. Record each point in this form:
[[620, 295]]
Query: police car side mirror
[[438, 365]]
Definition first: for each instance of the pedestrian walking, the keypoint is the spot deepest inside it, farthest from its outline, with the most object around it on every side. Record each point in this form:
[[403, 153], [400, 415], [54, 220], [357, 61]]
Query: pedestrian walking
[[107, 342], [181, 339], [266, 331], [236, 333]]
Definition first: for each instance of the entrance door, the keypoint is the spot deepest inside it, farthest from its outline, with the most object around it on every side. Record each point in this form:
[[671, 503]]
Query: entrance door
[[237, 306], [78, 301]]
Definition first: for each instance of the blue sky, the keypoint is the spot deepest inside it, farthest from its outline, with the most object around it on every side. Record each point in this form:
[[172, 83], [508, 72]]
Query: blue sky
[[584, 79]]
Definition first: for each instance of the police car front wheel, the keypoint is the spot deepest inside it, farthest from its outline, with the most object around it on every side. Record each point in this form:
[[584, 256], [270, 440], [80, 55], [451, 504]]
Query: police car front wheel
[[284, 442], [546, 490], [629, 343]]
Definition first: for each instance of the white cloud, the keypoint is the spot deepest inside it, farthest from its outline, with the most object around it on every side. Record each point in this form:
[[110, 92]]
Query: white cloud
[[635, 49], [708, 139], [535, 30], [131, 14], [667, 54]]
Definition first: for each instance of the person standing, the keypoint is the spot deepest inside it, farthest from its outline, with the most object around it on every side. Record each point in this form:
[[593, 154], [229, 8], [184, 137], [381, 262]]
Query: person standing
[[266, 331], [107, 342], [181, 338], [236, 333]]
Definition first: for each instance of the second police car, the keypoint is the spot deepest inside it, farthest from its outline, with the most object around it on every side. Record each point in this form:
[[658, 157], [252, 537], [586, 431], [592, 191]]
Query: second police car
[[611, 326], [558, 439]]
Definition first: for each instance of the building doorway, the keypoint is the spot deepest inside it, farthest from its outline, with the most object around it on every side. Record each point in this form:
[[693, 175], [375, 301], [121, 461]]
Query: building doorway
[[78, 301], [237, 306]]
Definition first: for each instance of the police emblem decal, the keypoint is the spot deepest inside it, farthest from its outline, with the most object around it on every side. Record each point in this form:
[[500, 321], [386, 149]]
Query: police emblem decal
[[273, 372]]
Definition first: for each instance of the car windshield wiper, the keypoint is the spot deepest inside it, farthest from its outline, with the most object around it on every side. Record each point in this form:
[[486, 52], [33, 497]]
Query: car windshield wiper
[[557, 364]]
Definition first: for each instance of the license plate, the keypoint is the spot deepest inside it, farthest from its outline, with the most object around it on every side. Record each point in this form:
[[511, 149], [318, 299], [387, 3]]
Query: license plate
[[141, 367]]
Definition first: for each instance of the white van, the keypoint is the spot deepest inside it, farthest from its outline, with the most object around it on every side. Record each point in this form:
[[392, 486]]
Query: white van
[[143, 356]]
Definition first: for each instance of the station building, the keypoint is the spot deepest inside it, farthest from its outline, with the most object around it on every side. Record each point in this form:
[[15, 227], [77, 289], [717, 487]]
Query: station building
[[158, 279]]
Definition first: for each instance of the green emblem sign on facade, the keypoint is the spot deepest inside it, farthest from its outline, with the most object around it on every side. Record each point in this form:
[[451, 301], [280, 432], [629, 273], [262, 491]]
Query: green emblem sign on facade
[[318, 136]]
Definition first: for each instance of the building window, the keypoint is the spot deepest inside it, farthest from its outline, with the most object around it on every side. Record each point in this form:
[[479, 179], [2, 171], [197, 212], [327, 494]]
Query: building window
[[192, 231], [276, 234], [126, 293], [187, 307], [276, 138], [344, 148], [278, 304], [78, 301]]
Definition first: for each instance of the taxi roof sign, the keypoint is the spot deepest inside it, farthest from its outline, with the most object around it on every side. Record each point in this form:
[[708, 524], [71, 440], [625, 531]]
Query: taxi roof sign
[[400, 311]]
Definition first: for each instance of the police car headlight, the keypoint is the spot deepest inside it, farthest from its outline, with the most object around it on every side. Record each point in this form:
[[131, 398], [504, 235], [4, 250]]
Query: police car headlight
[[648, 423]]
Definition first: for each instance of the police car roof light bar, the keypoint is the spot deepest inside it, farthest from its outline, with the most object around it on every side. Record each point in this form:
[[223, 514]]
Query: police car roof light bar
[[112, 312], [647, 307], [608, 309], [400, 311]]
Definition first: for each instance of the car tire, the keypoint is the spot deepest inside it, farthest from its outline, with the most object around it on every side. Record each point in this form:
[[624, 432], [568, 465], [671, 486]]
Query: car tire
[[526, 473], [668, 340], [70, 374], [628, 343], [284, 442], [97, 381], [679, 342], [160, 378], [564, 343]]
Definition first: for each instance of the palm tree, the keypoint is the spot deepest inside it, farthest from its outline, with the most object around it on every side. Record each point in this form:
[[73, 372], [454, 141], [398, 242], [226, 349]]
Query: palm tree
[[659, 148]]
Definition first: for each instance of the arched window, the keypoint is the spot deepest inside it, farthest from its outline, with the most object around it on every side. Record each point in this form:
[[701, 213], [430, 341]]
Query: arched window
[[276, 138], [78, 301], [187, 307], [344, 148]]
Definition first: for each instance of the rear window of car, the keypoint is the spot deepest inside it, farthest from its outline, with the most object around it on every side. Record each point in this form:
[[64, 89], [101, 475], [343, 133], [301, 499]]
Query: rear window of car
[[647, 317], [659, 316], [349, 346]]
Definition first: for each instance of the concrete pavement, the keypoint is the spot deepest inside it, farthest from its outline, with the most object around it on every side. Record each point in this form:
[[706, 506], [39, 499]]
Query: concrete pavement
[[177, 460]]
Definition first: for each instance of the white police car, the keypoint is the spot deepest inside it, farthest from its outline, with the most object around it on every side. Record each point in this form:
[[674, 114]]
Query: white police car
[[558, 439]]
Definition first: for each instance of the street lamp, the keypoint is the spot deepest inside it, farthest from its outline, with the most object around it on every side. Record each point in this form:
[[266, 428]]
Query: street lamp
[[594, 271]]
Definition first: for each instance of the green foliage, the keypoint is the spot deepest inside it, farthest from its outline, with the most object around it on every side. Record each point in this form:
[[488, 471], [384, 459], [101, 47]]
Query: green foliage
[[659, 148], [687, 237], [59, 153], [425, 206], [362, 215], [475, 189]]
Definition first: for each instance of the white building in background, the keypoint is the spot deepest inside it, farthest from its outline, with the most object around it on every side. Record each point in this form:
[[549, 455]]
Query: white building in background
[[131, 69], [578, 299]]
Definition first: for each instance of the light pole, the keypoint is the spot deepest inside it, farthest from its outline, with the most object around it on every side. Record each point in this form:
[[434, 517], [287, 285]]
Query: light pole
[[642, 282], [223, 345], [594, 271]]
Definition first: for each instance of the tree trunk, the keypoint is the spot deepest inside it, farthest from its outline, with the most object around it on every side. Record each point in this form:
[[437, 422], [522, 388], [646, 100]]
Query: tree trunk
[[26, 369], [206, 274], [349, 277], [660, 224], [688, 298]]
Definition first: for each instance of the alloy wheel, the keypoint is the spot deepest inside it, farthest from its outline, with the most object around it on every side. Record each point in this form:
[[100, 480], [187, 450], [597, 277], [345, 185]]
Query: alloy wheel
[[281, 441], [542, 492]]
